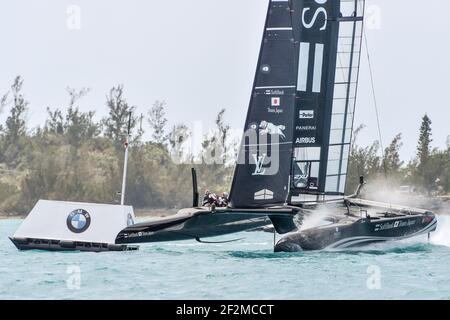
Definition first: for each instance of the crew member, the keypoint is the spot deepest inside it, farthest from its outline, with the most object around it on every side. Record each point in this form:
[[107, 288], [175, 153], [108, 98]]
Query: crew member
[[209, 199], [223, 200]]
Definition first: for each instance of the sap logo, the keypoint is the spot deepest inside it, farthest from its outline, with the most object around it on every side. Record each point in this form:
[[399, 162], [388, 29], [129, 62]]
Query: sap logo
[[310, 140], [306, 114], [259, 162], [319, 11]]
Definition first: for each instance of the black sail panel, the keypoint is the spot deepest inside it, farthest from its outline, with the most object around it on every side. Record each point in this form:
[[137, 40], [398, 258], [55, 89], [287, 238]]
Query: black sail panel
[[263, 168]]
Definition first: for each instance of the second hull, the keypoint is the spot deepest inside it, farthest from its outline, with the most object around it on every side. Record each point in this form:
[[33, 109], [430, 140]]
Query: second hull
[[358, 233]]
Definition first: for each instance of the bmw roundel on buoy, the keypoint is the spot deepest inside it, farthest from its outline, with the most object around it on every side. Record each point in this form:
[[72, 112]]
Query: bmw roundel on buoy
[[78, 221]]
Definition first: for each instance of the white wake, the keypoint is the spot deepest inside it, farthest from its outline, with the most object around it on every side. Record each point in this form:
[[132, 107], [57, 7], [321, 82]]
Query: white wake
[[442, 235]]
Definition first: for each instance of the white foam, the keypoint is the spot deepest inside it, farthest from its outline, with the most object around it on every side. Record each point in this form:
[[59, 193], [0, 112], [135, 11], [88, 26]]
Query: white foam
[[317, 219], [442, 235]]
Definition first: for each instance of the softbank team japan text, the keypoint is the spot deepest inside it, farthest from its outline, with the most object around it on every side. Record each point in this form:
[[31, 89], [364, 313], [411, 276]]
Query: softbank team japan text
[[225, 309]]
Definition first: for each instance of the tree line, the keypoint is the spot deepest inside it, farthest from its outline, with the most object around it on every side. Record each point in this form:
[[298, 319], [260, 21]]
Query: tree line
[[75, 157], [428, 173]]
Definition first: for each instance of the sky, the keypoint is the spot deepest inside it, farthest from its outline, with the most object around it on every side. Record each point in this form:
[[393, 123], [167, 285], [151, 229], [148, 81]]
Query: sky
[[200, 56]]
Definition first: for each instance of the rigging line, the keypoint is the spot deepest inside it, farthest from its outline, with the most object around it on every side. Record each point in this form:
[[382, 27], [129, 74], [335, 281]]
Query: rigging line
[[291, 16], [375, 103]]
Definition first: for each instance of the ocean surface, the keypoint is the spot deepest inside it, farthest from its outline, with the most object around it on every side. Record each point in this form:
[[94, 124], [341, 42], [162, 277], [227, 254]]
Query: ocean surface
[[248, 269]]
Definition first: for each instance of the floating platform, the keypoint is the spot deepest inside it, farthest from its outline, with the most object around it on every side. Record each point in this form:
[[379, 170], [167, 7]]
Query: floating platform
[[58, 245], [74, 226]]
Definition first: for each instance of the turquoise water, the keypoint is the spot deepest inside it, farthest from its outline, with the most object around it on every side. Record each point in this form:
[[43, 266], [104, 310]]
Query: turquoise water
[[248, 269]]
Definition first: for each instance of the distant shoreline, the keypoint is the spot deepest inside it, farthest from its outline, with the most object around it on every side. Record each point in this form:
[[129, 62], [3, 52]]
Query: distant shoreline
[[10, 217], [140, 213]]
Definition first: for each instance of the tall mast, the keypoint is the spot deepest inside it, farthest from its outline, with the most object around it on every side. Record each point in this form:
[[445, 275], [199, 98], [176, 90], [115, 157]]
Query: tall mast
[[125, 163]]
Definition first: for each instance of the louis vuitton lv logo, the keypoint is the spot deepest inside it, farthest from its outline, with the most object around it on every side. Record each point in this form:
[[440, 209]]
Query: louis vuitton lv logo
[[259, 162]]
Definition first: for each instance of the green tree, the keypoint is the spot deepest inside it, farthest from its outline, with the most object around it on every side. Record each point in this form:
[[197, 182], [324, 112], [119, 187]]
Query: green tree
[[117, 121], [215, 144], [423, 147], [177, 138], [79, 126], [423, 154], [392, 161], [363, 161], [3, 102], [158, 121], [76, 125], [55, 122], [15, 126], [223, 130], [14, 130], [215, 171]]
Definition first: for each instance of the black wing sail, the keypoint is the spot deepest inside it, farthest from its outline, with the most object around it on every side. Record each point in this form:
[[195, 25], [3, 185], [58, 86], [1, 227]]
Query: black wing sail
[[264, 162], [329, 58], [300, 120]]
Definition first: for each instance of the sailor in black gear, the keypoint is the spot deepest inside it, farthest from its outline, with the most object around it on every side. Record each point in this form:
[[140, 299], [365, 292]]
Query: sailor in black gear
[[206, 198], [223, 200], [209, 199]]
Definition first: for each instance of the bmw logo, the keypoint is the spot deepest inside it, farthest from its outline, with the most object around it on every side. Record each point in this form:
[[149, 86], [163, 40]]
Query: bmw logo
[[78, 221]]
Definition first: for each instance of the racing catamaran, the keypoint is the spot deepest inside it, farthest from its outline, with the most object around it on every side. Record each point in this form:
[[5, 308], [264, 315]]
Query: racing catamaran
[[294, 154]]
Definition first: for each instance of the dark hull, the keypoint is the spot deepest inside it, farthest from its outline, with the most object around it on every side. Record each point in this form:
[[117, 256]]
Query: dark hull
[[200, 223], [358, 233], [56, 245]]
